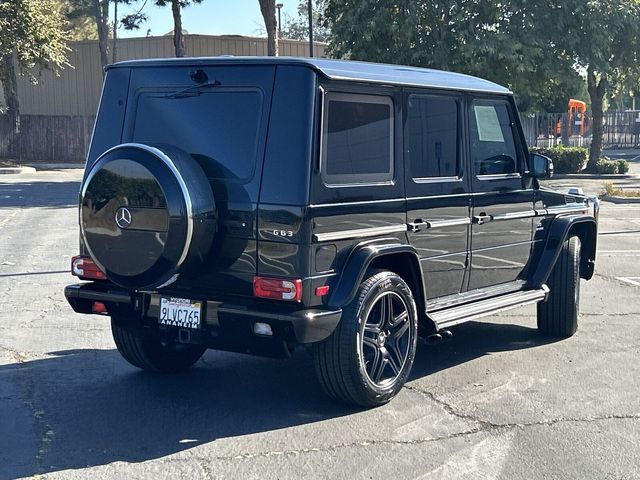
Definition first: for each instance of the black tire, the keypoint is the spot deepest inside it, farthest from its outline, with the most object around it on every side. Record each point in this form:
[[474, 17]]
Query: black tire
[[558, 316], [358, 363], [148, 352]]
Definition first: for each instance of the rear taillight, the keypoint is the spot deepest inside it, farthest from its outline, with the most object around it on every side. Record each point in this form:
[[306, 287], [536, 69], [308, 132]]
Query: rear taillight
[[278, 289], [86, 269]]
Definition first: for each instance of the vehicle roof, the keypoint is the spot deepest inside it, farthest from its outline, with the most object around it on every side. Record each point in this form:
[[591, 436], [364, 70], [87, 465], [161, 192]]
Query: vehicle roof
[[348, 70]]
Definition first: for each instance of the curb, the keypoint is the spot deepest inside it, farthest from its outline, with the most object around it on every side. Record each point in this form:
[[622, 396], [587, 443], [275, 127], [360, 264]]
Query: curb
[[592, 176], [613, 199], [16, 170], [56, 166]]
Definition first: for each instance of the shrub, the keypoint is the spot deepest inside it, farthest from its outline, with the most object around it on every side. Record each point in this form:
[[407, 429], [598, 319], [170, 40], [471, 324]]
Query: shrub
[[610, 189], [623, 166], [565, 159], [609, 166]]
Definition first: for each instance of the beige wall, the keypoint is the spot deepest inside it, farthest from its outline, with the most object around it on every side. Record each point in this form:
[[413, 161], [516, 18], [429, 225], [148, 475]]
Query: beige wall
[[76, 90]]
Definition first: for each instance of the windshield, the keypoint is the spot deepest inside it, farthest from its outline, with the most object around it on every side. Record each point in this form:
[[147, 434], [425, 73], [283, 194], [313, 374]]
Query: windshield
[[218, 127]]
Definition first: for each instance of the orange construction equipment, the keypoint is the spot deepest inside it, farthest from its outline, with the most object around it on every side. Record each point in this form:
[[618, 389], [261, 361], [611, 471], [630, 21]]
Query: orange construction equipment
[[577, 119]]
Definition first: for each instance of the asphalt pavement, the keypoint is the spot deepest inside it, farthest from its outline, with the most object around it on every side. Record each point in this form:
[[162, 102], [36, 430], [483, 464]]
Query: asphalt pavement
[[498, 401]]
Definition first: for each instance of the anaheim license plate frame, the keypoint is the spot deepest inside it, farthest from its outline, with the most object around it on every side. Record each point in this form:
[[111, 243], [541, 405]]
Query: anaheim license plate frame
[[180, 312]]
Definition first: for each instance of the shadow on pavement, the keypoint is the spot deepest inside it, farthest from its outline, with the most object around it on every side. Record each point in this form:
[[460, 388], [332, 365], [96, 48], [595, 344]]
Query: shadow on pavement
[[82, 408], [88, 407], [39, 194], [474, 340]]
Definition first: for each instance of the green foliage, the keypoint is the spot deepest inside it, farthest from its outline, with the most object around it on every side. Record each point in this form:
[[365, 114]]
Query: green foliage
[[76, 28], [31, 39], [602, 37], [611, 166], [623, 166], [507, 42], [183, 3], [565, 159], [32, 30], [606, 166], [535, 48], [298, 28]]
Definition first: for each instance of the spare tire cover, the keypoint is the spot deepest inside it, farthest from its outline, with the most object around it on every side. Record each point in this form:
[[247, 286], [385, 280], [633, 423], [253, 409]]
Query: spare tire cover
[[147, 214]]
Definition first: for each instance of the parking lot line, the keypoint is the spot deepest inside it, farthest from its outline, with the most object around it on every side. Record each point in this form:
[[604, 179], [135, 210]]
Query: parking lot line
[[618, 251], [632, 280], [620, 232]]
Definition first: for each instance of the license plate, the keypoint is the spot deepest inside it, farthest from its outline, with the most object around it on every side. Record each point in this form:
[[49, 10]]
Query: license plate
[[180, 312]]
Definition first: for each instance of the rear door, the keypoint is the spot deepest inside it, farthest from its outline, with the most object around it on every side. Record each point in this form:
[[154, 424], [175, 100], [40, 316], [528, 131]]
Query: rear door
[[502, 195], [222, 124], [438, 200]]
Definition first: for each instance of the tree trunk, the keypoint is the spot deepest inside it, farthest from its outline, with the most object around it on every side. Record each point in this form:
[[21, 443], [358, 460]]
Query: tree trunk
[[10, 87], [178, 39], [101, 16], [268, 9], [597, 90]]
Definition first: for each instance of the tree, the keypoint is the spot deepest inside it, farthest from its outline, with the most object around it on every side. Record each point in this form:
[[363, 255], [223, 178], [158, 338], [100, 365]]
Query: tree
[[131, 21], [603, 38], [298, 28], [500, 41], [76, 28], [268, 10], [98, 10], [535, 48], [31, 39], [176, 10]]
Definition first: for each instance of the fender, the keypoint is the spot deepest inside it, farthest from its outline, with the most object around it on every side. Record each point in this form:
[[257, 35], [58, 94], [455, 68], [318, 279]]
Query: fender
[[585, 227], [359, 260]]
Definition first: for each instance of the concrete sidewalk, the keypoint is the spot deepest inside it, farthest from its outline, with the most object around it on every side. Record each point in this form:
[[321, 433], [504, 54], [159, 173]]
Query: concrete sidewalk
[[17, 170], [55, 166]]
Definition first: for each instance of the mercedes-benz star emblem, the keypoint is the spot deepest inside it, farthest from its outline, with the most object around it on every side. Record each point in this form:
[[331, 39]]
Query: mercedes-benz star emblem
[[123, 217]]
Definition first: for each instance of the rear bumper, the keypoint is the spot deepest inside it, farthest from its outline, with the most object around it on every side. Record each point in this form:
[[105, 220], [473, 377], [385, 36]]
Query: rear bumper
[[222, 319]]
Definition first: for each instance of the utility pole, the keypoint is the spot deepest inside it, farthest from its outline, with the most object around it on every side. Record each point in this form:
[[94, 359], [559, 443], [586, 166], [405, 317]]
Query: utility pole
[[279, 6], [310, 9], [115, 31]]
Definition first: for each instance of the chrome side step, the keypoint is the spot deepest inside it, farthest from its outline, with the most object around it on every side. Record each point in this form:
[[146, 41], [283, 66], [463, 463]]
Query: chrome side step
[[464, 313]]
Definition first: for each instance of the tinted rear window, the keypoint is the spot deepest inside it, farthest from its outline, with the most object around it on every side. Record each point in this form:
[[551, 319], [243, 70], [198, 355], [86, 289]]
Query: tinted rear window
[[432, 126], [218, 127], [358, 138]]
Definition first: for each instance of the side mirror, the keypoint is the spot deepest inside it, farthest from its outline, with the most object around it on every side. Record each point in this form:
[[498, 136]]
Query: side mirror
[[542, 166]]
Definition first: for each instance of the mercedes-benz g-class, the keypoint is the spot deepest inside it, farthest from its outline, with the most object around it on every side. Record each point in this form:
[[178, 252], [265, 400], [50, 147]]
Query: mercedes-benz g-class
[[260, 204]]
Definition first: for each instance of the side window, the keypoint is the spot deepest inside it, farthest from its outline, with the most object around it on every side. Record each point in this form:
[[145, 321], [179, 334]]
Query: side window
[[493, 149], [357, 139], [432, 129]]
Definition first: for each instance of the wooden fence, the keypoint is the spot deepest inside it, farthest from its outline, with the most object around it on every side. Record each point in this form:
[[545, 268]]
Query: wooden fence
[[46, 138]]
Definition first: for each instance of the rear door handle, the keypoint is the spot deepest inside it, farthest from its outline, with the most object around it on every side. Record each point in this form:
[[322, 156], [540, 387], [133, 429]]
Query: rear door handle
[[482, 218], [417, 225]]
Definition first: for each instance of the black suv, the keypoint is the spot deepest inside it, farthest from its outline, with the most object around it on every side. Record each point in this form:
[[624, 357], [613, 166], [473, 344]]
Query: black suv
[[259, 204]]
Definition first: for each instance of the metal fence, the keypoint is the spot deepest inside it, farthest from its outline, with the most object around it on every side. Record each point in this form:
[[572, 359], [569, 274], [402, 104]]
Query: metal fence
[[620, 130], [58, 112], [76, 90]]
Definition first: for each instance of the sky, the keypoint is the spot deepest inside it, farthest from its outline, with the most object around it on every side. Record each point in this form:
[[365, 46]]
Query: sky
[[211, 17]]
